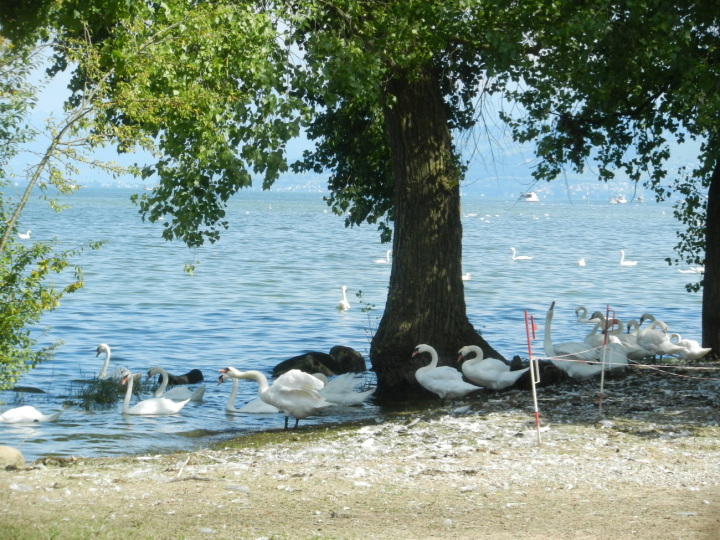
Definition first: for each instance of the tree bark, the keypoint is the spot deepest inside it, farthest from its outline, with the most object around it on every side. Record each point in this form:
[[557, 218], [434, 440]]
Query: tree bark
[[711, 278], [426, 297]]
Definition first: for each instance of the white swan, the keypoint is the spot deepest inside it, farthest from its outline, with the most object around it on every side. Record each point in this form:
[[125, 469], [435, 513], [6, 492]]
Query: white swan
[[519, 257], [581, 312], [340, 390], [581, 262], [491, 373], [149, 406], [178, 393], [693, 270], [295, 392], [467, 276], [255, 406], [654, 341], [343, 304], [629, 341], [386, 260], [117, 374], [24, 236], [623, 262], [26, 413], [444, 381], [693, 349], [577, 359]]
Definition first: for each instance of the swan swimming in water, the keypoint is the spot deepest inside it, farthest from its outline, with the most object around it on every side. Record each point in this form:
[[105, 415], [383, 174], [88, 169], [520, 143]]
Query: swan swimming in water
[[623, 262], [445, 381], [178, 393], [343, 304], [386, 260], [115, 375], [151, 406], [519, 257], [26, 413], [295, 392], [255, 406], [24, 236], [491, 373]]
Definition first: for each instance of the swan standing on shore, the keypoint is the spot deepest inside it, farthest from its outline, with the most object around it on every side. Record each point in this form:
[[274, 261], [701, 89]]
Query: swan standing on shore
[[445, 381], [255, 406], [178, 393], [577, 359], [656, 341], [692, 348], [623, 262], [151, 406], [343, 304], [295, 392], [26, 413], [519, 257], [491, 373]]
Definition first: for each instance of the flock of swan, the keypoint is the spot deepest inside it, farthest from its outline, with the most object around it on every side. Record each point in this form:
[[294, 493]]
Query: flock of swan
[[609, 346], [581, 262], [295, 393]]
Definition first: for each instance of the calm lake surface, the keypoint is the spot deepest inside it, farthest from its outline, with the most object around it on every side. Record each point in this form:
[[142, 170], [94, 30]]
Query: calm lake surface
[[267, 291]]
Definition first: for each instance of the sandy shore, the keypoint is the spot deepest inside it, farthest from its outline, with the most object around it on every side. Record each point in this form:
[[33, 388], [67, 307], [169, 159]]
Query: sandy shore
[[649, 467]]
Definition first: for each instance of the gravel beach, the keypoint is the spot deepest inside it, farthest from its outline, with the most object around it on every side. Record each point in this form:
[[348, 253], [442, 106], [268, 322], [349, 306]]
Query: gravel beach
[[648, 467]]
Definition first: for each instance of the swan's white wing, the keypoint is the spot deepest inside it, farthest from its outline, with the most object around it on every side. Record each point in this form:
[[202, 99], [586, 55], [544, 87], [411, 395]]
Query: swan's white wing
[[445, 382], [298, 379], [157, 406], [26, 413]]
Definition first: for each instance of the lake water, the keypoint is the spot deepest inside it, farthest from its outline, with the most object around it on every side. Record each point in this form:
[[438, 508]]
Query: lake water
[[267, 291]]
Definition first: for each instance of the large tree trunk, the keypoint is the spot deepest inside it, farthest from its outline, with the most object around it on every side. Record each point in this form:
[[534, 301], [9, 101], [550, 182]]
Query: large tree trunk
[[426, 298], [711, 278]]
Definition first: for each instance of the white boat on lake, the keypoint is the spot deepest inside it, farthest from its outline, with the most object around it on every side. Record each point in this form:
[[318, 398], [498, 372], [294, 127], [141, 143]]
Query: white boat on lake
[[529, 196]]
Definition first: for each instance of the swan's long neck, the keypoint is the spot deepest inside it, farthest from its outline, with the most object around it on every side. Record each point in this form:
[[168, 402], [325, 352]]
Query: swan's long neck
[[433, 360], [479, 355], [256, 376], [230, 406], [163, 385], [103, 371], [547, 342], [128, 392], [582, 314]]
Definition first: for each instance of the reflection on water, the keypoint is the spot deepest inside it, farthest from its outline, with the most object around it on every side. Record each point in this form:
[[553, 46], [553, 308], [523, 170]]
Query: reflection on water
[[268, 290]]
